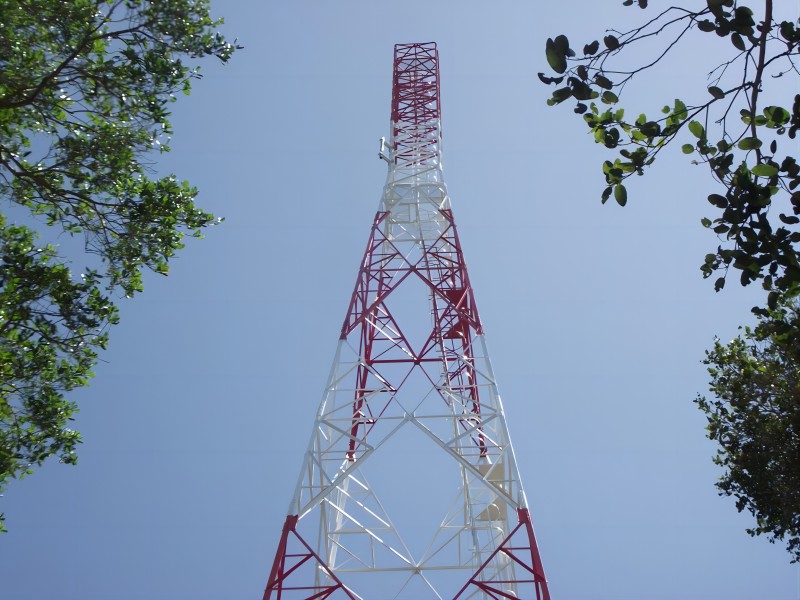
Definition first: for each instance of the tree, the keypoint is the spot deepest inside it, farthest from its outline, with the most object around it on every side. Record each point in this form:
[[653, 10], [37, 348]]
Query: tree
[[756, 421], [85, 88], [728, 128], [749, 147]]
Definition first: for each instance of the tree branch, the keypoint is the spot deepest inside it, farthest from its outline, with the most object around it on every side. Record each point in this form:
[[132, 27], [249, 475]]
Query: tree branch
[[762, 52]]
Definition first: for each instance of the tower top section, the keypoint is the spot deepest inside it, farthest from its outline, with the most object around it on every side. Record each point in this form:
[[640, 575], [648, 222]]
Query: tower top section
[[415, 193], [415, 86], [416, 113]]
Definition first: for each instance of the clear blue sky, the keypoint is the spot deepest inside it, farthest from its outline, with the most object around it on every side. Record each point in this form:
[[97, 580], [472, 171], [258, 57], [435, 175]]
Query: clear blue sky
[[596, 318]]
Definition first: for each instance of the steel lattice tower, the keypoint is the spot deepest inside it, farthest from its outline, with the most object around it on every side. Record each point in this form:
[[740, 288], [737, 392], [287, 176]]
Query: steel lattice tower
[[389, 376]]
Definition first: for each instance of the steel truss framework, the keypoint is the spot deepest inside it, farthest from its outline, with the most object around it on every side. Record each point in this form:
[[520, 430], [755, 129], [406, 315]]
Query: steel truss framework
[[385, 380]]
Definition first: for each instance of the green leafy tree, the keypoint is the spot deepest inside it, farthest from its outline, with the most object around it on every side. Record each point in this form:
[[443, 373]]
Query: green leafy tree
[[750, 149], [742, 140], [755, 418], [85, 90]]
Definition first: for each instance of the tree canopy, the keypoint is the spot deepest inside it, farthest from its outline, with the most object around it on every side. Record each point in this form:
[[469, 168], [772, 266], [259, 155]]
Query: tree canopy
[[750, 148], [746, 143], [85, 92], [755, 419]]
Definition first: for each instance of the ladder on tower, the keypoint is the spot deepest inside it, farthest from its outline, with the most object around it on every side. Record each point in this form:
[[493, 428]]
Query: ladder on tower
[[430, 378]]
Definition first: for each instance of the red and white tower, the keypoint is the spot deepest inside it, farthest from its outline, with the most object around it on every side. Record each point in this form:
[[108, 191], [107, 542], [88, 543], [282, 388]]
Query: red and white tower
[[431, 378]]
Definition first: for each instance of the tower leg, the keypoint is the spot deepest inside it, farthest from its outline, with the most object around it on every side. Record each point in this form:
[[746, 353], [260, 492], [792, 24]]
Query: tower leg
[[293, 557], [527, 557]]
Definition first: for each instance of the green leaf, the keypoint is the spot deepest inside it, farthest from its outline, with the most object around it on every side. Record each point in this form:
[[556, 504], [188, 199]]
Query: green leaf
[[590, 49], [772, 300], [611, 42], [776, 116], [788, 32], [620, 194], [650, 129], [706, 25], [737, 41], [609, 98], [697, 129], [606, 194], [581, 90], [557, 60], [603, 82], [718, 200], [687, 148], [764, 170], [749, 143], [746, 116], [561, 94], [548, 80], [716, 92], [680, 110], [561, 44]]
